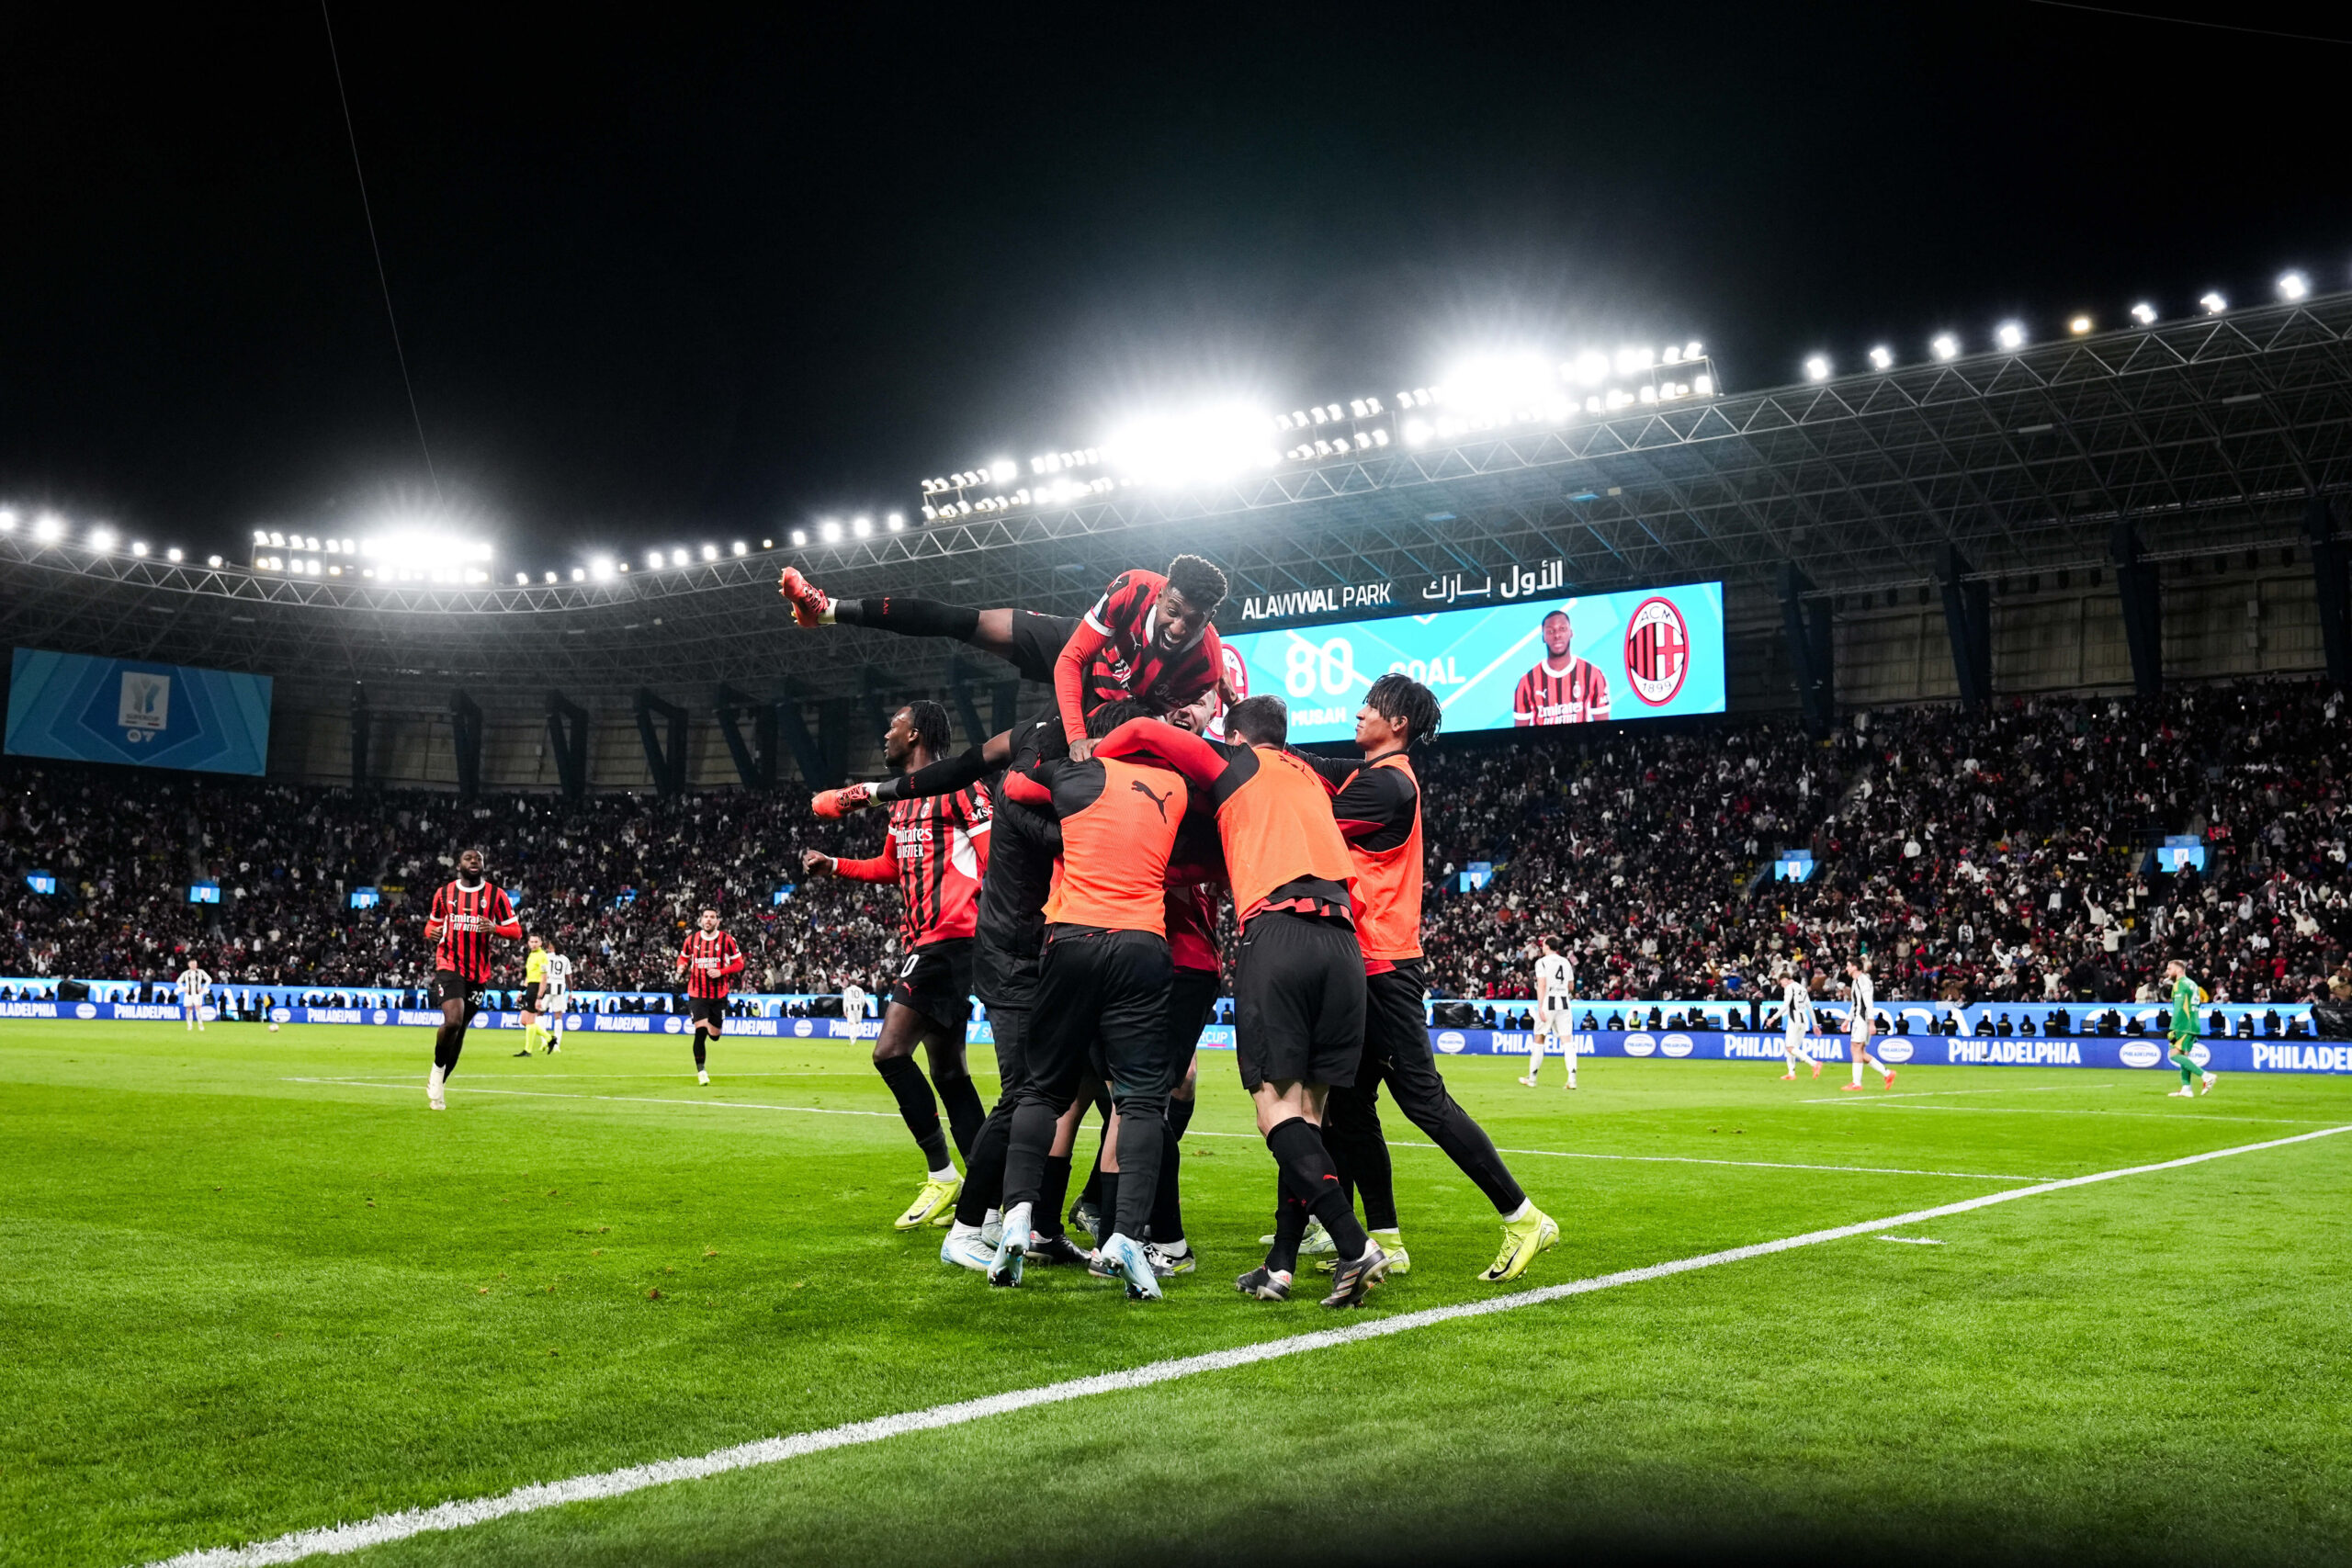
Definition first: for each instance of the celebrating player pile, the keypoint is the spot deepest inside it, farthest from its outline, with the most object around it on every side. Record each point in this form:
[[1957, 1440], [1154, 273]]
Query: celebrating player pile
[[1130, 825]]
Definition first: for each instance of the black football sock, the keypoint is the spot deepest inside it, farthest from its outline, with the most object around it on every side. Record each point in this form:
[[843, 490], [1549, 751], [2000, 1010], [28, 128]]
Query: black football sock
[[1179, 1116], [984, 1167], [1167, 1204], [700, 1038], [447, 1041], [909, 617], [1143, 1140], [1052, 1189], [1351, 1132], [1026, 1161], [916, 1105], [965, 1112], [1108, 1219], [1297, 1143], [1290, 1227]]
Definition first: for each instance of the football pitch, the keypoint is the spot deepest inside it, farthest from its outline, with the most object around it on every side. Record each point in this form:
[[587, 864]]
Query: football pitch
[[250, 1287]]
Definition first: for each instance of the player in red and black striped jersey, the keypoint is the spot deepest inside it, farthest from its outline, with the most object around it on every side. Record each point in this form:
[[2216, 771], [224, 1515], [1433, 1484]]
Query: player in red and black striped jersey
[[710, 960], [1562, 688], [467, 914], [937, 854], [1146, 638]]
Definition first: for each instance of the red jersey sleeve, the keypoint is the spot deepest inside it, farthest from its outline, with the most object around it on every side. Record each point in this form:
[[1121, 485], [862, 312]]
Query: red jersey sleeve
[[734, 964], [1201, 764], [502, 921], [1522, 701], [883, 867]]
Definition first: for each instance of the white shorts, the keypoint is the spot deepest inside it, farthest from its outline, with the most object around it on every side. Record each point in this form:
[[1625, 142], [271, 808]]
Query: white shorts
[[1859, 1036], [1552, 1024], [554, 1001]]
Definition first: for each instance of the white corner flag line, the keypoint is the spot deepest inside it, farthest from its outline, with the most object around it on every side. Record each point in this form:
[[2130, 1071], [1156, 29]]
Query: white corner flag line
[[339, 1538]]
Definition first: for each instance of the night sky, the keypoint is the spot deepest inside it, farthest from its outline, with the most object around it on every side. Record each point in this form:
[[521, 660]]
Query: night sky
[[665, 278]]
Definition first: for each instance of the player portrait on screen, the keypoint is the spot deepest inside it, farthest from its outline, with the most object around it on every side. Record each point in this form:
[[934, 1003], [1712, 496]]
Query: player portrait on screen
[[1562, 688]]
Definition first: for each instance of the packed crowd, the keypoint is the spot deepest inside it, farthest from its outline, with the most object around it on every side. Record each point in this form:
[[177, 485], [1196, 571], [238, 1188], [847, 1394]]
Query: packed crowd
[[1998, 856]]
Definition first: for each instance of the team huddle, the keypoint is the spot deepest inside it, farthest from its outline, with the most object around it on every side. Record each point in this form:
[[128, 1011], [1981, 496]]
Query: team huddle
[[1070, 873]]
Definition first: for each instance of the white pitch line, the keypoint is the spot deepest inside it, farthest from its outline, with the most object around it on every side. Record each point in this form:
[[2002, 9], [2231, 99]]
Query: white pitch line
[[1947, 1093], [1695, 1159], [1909, 1240], [337, 1539]]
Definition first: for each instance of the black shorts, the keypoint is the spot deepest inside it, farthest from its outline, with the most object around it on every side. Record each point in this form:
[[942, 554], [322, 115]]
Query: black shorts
[[1298, 1001], [706, 1010], [1191, 1002], [530, 996], [449, 985], [935, 980], [1037, 643], [1101, 1013]]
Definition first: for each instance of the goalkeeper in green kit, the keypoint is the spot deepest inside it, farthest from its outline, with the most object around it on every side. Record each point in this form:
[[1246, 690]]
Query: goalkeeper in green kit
[[2187, 994]]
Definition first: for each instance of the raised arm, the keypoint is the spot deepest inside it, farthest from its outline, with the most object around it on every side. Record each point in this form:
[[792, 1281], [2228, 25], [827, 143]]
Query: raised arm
[[1200, 762]]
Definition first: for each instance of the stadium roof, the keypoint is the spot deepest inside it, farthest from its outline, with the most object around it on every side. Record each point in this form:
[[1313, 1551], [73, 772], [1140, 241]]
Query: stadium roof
[[2206, 434]]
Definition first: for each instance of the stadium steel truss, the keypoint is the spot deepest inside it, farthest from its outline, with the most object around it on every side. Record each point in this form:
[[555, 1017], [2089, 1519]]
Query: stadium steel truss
[[2177, 439]]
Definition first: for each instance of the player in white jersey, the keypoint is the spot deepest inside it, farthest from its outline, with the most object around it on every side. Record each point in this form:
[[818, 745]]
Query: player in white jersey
[[555, 998], [1556, 984], [852, 1004], [1857, 1022], [194, 983], [1796, 1021]]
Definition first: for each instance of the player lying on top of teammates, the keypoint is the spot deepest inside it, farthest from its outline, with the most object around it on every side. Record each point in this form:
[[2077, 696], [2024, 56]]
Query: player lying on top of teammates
[[937, 854], [1147, 638]]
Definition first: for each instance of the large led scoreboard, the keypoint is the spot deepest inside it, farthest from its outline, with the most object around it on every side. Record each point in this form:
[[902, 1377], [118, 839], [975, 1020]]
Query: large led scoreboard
[[1536, 662]]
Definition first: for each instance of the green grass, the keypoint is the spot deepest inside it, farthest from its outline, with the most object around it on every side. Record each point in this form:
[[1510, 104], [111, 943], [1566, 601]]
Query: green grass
[[234, 1304]]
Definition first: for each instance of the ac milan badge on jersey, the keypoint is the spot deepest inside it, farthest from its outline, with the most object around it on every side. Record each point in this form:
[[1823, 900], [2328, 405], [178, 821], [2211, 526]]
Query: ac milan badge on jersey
[[1657, 652]]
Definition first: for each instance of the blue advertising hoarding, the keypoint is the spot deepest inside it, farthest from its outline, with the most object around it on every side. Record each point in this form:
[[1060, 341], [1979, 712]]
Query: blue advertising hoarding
[[127, 710], [1540, 661]]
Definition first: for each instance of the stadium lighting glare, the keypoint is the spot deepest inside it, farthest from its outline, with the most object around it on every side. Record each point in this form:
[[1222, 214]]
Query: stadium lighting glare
[[1882, 357], [830, 531], [677, 558], [1694, 350], [710, 552], [2293, 286], [601, 568], [419, 549], [1591, 367], [767, 544], [2009, 335], [139, 548], [861, 526], [1945, 346], [741, 548], [653, 561], [521, 578], [7, 519], [172, 555], [101, 538], [261, 536], [1003, 470], [1817, 367], [2143, 313], [578, 575], [1199, 446], [799, 537], [2079, 325], [2214, 304], [1500, 386], [49, 527], [277, 540], [549, 577], [212, 560], [1632, 361], [896, 522]]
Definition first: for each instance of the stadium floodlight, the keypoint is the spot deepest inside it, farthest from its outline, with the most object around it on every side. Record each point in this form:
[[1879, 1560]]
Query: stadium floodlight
[[677, 558], [1705, 386], [1633, 361], [1500, 386], [741, 548], [1201, 445], [1882, 357], [2293, 286], [261, 536], [2143, 313], [767, 544], [277, 540], [1945, 346], [1591, 367], [7, 519], [139, 548], [521, 578], [830, 531], [2079, 325], [2214, 304], [653, 561], [548, 577], [799, 537], [1694, 350], [601, 568], [578, 575], [172, 555], [1417, 431], [710, 552], [49, 527], [1817, 368], [1671, 354], [895, 521], [2009, 335], [102, 538], [1003, 470], [861, 526], [212, 560], [421, 550]]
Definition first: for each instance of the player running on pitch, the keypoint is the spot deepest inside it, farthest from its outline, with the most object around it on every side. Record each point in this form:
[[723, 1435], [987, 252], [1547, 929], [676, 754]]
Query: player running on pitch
[[1797, 1022], [194, 983], [1299, 986], [535, 974], [1860, 1022], [937, 853], [2188, 996], [467, 913], [1556, 1009], [710, 960], [555, 998]]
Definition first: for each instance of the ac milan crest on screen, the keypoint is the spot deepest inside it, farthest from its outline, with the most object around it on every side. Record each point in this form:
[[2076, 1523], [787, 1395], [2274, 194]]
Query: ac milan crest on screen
[[1657, 652]]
